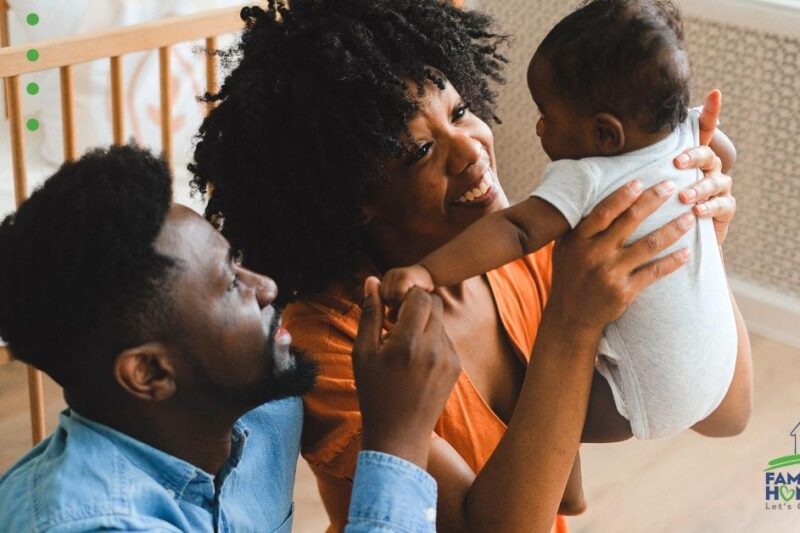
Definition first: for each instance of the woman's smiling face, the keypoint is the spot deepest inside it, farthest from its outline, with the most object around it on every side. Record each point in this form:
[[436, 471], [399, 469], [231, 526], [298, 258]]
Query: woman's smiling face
[[449, 179]]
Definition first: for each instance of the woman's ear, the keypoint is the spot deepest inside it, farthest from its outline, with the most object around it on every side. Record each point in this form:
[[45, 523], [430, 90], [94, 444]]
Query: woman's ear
[[146, 372], [609, 135]]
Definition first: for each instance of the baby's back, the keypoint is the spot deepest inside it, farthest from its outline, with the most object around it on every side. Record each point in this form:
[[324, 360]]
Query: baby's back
[[670, 358]]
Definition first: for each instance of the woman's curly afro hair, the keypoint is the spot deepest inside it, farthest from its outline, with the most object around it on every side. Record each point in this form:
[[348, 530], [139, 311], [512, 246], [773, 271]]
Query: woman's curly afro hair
[[316, 101]]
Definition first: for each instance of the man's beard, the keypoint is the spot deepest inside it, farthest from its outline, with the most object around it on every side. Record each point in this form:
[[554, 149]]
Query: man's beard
[[296, 378]]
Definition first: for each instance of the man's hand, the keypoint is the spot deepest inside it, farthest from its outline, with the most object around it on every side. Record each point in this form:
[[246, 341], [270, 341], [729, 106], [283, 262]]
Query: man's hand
[[404, 378], [398, 281]]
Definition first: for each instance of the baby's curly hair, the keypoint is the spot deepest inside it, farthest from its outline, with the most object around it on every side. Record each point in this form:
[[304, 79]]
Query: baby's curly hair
[[316, 101], [80, 280], [626, 57]]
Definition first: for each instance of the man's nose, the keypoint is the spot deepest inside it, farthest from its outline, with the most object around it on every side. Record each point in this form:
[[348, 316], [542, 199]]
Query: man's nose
[[265, 288], [539, 128]]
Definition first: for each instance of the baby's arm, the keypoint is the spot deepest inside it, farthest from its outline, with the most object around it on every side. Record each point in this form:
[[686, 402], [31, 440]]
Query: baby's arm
[[495, 240], [491, 242]]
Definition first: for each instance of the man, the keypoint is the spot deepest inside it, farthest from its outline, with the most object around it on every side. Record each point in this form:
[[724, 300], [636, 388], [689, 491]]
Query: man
[[183, 389]]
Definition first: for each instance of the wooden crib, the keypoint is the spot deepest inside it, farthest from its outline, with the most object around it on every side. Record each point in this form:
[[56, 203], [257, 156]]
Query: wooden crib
[[62, 54]]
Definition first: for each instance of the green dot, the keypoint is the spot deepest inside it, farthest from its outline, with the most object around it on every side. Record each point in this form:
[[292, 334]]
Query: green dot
[[32, 124], [33, 54], [32, 19], [32, 88]]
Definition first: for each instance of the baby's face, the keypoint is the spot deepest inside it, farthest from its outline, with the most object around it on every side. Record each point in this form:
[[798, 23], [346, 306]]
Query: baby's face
[[565, 131]]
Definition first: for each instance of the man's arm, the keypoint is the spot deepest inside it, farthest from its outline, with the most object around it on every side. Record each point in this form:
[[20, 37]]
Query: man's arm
[[403, 381], [390, 493]]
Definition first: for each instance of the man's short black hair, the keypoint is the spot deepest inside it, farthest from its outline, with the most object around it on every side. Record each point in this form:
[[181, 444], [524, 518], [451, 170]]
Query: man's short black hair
[[80, 280], [317, 101], [626, 57]]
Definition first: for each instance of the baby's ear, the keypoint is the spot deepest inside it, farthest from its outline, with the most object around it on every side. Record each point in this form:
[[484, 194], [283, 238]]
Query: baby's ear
[[609, 135]]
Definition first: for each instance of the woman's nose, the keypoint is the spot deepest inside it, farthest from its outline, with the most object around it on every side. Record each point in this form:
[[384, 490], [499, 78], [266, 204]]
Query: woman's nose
[[465, 151]]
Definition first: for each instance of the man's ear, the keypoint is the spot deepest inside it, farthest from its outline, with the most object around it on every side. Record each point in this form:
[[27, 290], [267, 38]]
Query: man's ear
[[609, 135], [366, 214], [146, 371]]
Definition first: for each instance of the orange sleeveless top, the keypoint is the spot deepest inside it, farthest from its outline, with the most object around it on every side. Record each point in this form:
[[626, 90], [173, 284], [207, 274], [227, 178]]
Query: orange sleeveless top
[[325, 326]]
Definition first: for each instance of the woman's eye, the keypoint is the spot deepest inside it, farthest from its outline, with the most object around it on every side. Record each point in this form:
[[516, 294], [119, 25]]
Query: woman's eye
[[460, 111], [421, 152]]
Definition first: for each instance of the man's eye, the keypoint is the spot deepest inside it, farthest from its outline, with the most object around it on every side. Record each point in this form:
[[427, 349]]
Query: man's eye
[[234, 284], [460, 111]]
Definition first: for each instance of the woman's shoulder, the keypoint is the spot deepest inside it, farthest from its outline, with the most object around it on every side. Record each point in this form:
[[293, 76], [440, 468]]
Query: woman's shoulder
[[325, 327], [533, 270], [316, 319], [520, 291]]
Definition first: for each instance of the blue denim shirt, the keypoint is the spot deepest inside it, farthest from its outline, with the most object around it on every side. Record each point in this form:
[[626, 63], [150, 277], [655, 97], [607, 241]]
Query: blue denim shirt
[[88, 477]]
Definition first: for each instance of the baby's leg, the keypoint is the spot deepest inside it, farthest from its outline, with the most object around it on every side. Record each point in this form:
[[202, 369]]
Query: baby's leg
[[603, 421], [731, 416]]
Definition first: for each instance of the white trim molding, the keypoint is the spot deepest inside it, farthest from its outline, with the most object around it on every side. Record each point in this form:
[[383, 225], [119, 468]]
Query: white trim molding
[[768, 312], [781, 17]]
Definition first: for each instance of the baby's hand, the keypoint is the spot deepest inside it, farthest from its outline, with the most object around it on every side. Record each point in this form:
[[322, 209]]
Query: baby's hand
[[398, 281]]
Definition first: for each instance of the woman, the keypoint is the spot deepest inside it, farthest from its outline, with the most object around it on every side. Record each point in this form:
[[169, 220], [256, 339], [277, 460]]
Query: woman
[[341, 141]]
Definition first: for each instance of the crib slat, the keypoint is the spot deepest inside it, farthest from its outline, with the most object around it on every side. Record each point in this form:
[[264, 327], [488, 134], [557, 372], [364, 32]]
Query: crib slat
[[17, 139], [211, 69], [5, 356], [35, 392], [117, 113], [4, 41], [166, 103], [36, 395], [68, 113]]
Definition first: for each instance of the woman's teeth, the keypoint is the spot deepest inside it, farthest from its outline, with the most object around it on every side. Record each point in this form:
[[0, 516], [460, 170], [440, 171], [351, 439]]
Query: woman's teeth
[[482, 188]]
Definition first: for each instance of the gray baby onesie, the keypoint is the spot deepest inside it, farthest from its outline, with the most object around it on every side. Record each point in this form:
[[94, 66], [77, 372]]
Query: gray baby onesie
[[670, 358]]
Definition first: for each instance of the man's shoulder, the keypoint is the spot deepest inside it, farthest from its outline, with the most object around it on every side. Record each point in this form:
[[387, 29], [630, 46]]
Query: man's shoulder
[[74, 480]]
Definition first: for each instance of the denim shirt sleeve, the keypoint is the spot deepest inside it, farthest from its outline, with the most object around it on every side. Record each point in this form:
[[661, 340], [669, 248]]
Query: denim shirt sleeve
[[390, 494]]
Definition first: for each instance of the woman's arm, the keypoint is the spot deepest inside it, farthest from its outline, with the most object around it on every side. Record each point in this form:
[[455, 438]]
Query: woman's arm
[[595, 278]]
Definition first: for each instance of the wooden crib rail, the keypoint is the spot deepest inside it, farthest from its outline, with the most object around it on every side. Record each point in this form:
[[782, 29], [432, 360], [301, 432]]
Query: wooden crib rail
[[119, 41], [112, 45]]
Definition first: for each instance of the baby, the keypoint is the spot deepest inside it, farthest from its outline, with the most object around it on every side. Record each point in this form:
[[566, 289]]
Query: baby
[[612, 84]]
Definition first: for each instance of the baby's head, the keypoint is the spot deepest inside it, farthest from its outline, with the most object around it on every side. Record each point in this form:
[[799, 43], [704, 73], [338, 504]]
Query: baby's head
[[610, 78]]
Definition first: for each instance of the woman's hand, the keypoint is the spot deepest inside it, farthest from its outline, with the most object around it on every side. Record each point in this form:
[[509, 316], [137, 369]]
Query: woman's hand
[[711, 195], [595, 276]]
